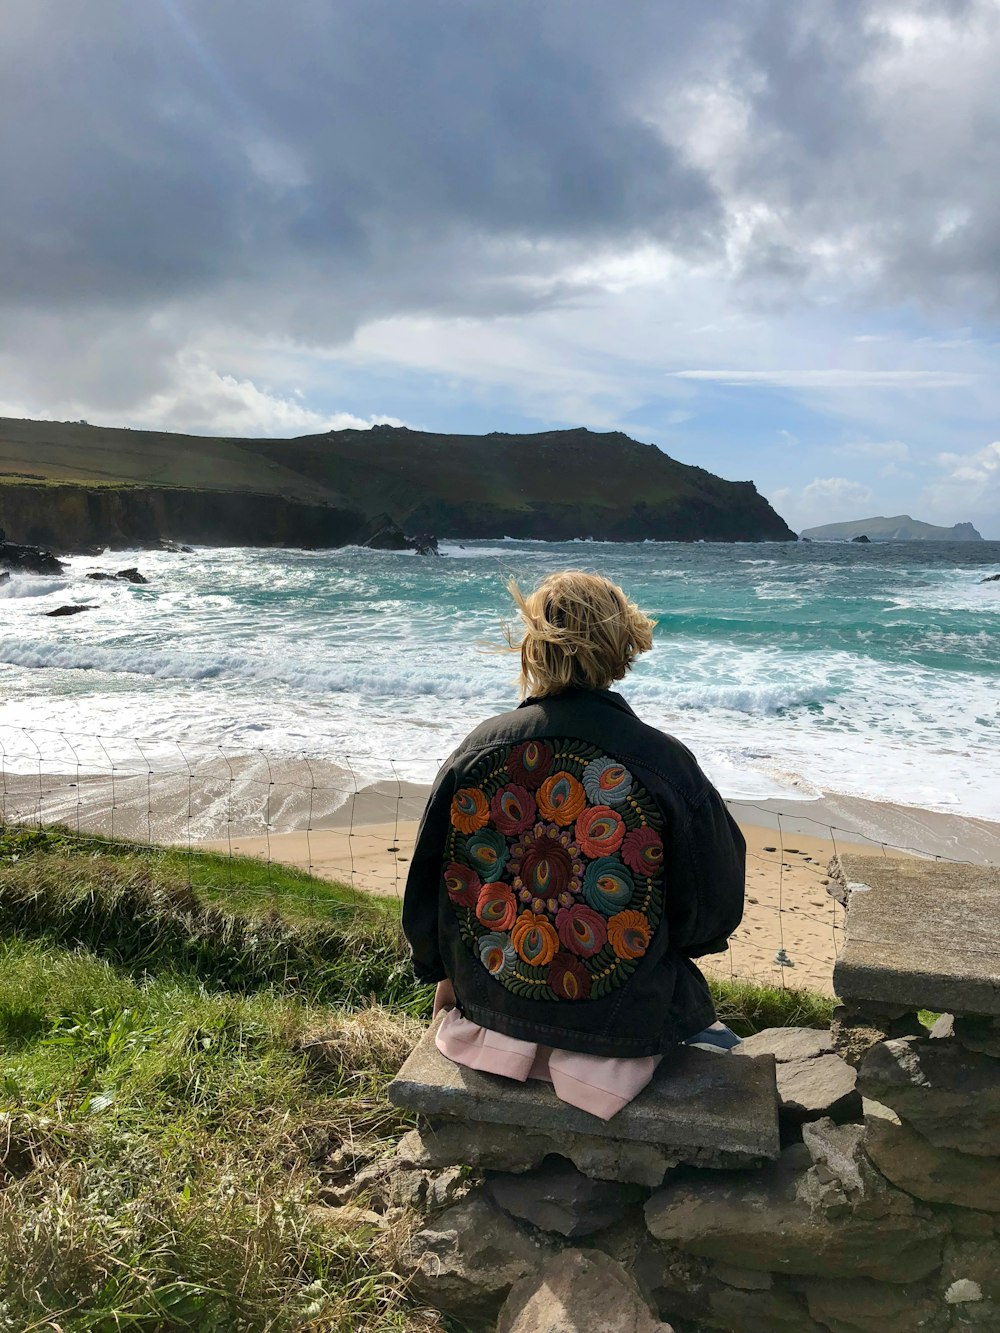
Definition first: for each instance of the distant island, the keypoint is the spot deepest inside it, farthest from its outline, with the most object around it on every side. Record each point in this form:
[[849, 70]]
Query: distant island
[[72, 486], [902, 528]]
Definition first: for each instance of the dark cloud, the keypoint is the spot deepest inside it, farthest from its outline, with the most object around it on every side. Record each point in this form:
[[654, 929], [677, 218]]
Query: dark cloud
[[293, 171]]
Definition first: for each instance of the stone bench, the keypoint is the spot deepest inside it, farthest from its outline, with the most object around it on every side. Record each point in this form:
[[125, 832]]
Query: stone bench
[[921, 935], [887, 1222], [701, 1108]]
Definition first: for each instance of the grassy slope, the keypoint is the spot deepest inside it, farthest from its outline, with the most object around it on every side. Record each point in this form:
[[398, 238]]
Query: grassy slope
[[163, 1141], [385, 469]]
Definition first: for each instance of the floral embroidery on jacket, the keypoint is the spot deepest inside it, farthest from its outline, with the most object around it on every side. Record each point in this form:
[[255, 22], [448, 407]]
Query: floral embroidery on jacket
[[554, 869]]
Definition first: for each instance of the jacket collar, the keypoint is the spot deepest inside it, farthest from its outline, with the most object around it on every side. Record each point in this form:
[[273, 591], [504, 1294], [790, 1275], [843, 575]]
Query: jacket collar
[[579, 694]]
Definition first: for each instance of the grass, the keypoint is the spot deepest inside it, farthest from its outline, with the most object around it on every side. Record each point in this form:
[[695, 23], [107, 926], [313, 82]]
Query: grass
[[165, 1144]]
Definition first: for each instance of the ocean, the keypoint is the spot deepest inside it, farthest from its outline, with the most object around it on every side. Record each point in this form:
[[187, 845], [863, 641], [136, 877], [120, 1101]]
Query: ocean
[[790, 670]]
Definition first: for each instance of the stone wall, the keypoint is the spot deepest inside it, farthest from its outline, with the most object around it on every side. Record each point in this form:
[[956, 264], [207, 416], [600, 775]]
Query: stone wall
[[844, 1182]]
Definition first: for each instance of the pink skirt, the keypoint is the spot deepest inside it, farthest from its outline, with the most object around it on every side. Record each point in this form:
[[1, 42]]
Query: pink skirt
[[599, 1084]]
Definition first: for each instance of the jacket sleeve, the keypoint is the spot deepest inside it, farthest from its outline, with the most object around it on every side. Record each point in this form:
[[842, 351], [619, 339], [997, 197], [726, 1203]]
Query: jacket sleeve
[[420, 899], [705, 897]]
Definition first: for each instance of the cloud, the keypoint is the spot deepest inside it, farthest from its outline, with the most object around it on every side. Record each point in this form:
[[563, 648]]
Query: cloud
[[191, 190], [830, 379], [887, 451], [968, 489], [824, 500], [202, 402], [979, 469]]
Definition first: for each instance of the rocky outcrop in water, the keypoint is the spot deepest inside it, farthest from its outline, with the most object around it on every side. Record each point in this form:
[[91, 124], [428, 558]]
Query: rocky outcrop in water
[[27, 559]]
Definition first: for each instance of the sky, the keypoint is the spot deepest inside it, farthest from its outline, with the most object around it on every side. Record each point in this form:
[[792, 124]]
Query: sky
[[761, 234]]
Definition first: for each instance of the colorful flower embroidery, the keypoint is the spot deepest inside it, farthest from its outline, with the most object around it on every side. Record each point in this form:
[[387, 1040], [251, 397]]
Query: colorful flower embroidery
[[569, 978], [607, 885], [554, 869], [496, 953], [582, 930], [561, 798], [606, 781], [545, 867], [496, 908], [642, 851], [470, 810], [535, 939], [599, 831], [462, 883], [529, 764], [488, 852], [513, 809], [629, 934]]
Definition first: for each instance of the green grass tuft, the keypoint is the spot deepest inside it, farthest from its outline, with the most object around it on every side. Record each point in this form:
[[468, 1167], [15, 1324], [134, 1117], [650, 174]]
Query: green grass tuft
[[165, 1142]]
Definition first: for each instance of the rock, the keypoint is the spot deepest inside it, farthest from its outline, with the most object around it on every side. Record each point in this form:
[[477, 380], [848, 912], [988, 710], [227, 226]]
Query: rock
[[942, 953], [4, 578], [744, 1278], [991, 578], [775, 1311], [445, 1142], [696, 1107], [29, 559], [856, 1028], [967, 1224], [70, 610], [466, 1260], [558, 1197], [943, 1027], [864, 1306], [814, 1212], [812, 1081], [577, 1292], [174, 548], [963, 1290], [787, 1043], [979, 1034], [822, 1086], [396, 1181], [389, 536], [123, 576], [977, 1261], [949, 1094], [939, 1175], [865, 540], [680, 1285]]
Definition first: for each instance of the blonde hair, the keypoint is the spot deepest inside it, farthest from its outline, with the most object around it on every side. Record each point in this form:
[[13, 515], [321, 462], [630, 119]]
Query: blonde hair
[[579, 630]]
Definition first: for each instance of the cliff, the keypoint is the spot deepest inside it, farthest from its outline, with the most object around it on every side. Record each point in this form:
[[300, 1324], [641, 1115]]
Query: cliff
[[70, 485], [902, 528]]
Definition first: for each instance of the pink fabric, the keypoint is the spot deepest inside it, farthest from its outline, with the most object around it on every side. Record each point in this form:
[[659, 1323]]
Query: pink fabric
[[599, 1084]]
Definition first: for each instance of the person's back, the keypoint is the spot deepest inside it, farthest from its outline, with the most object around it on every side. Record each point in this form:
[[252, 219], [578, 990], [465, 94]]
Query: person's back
[[572, 860]]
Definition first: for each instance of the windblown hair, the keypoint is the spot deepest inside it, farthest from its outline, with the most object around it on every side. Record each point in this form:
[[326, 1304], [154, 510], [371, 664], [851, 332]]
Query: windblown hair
[[579, 630]]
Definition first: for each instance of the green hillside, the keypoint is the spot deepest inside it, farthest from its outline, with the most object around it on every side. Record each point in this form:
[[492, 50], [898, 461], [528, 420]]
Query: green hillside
[[901, 528], [555, 485]]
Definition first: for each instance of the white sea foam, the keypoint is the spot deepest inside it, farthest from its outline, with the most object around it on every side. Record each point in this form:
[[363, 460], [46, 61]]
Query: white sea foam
[[784, 679]]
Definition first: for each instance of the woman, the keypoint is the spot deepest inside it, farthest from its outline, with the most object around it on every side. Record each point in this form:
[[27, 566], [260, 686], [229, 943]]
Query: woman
[[571, 863]]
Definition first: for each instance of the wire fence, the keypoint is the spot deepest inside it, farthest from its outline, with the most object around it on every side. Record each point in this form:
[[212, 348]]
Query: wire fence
[[284, 826]]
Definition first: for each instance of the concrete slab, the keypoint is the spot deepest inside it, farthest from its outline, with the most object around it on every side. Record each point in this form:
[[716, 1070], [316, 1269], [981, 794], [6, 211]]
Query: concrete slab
[[923, 934], [697, 1100]]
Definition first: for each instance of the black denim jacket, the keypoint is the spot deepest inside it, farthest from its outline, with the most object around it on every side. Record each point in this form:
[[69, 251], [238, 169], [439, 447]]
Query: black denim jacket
[[570, 864]]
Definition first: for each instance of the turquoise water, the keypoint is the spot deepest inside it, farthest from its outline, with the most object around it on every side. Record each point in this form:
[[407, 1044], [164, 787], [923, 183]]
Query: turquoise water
[[790, 669]]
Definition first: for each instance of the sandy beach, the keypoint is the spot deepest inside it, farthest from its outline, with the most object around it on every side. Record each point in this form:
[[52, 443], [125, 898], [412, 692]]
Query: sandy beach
[[787, 901], [313, 818]]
